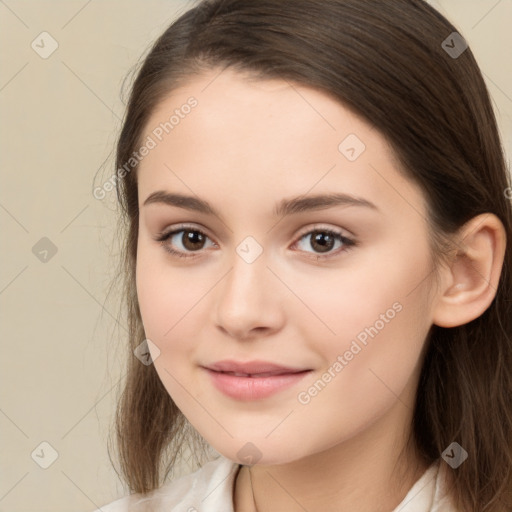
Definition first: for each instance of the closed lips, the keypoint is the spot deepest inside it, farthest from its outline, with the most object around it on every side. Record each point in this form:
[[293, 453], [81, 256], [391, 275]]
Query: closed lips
[[266, 374], [253, 368]]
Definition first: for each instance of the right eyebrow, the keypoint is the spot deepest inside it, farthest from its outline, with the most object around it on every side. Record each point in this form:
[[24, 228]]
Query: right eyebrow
[[181, 201]]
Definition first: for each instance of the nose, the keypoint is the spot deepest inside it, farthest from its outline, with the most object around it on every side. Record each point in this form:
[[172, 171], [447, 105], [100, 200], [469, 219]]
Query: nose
[[248, 300]]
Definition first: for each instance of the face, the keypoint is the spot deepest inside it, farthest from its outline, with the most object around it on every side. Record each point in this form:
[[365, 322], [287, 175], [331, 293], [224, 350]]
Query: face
[[338, 289]]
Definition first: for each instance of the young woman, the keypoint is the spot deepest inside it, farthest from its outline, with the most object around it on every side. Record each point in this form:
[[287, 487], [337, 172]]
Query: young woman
[[317, 272]]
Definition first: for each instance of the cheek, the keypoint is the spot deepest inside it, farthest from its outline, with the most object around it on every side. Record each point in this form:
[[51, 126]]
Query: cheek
[[344, 303], [376, 316], [168, 300], [371, 362], [166, 304]]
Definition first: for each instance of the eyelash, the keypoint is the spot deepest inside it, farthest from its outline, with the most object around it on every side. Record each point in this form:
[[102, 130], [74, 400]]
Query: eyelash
[[348, 243]]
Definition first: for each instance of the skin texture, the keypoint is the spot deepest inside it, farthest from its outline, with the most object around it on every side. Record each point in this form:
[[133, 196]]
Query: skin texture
[[246, 146]]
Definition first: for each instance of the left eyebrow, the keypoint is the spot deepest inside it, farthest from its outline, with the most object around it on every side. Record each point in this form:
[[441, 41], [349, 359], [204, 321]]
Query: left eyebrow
[[319, 202], [283, 208]]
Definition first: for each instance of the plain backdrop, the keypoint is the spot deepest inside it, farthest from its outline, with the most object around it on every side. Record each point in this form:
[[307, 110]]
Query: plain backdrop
[[61, 335]]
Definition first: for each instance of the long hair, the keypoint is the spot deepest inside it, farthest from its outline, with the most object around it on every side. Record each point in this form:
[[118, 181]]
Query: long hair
[[390, 64]]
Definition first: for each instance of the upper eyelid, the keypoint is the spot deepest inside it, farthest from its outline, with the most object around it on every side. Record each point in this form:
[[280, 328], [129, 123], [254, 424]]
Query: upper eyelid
[[319, 226], [342, 232], [185, 227]]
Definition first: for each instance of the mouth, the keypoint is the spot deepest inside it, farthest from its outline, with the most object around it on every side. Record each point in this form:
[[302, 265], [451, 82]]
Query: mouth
[[263, 374], [254, 386], [253, 368]]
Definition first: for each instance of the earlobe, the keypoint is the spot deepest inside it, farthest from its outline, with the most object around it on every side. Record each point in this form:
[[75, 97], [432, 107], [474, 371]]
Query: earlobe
[[471, 281]]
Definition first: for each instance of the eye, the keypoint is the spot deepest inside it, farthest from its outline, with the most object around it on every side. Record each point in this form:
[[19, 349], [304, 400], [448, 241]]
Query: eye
[[324, 240], [189, 240], [186, 238]]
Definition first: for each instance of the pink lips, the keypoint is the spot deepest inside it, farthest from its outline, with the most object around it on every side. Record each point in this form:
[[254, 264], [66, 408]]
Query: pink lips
[[254, 379]]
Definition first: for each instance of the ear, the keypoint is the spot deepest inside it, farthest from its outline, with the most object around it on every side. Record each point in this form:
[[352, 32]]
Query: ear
[[471, 281]]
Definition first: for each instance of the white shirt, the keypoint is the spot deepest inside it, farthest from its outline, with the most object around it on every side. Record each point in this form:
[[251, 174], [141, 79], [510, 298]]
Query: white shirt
[[210, 489]]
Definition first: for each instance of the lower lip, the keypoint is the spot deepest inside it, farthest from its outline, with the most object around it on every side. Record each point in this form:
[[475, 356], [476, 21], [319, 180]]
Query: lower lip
[[254, 388]]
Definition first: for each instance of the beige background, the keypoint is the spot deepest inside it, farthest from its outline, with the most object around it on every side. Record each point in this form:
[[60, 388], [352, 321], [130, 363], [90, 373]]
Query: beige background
[[60, 353]]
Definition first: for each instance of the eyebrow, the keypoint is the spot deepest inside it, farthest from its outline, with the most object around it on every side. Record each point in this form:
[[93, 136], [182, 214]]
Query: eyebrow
[[283, 208]]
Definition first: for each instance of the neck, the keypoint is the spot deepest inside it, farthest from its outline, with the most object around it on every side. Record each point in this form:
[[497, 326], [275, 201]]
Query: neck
[[364, 473]]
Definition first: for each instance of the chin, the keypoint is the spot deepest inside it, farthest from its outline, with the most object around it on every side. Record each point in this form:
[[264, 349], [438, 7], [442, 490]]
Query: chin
[[259, 452]]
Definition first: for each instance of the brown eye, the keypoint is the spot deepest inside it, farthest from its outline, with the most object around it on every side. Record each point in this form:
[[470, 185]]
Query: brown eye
[[192, 240], [183, 242], [323, 241]]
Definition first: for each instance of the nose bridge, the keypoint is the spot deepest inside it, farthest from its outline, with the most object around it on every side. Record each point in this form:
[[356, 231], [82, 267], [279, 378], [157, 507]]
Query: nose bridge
[[247, 278]]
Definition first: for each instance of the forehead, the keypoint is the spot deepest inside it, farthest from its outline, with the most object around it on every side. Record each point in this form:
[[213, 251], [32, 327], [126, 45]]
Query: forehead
[[265, 139]]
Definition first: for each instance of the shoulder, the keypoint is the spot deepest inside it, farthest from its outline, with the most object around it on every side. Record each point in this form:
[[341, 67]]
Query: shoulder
[[442, 501], [210, 488], [430, 493]]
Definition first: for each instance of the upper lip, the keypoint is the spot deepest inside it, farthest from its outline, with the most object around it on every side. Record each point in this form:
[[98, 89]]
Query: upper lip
[[252, 367]]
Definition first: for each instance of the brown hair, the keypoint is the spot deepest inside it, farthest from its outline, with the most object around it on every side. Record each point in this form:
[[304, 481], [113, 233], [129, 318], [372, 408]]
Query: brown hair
[[385, 61]]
